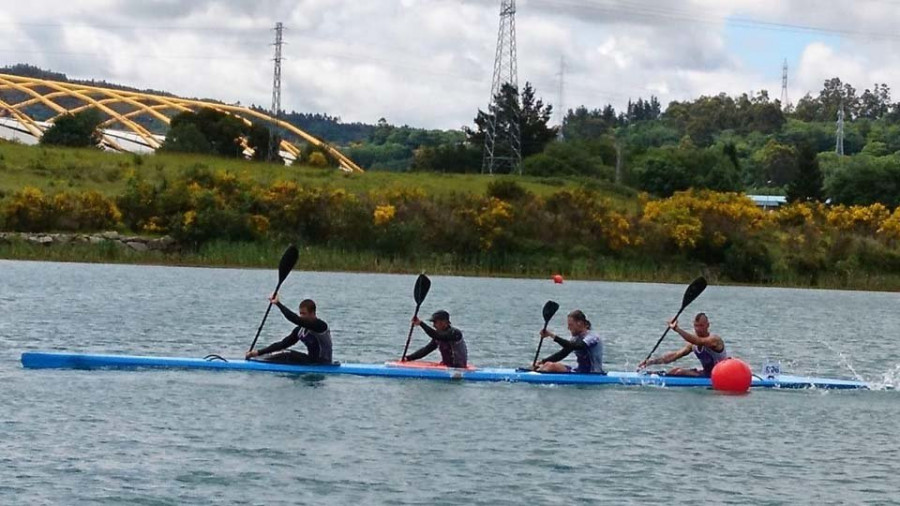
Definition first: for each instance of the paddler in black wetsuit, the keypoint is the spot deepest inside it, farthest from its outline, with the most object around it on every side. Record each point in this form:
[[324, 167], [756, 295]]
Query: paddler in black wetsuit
[[449, 340], [310, 330]]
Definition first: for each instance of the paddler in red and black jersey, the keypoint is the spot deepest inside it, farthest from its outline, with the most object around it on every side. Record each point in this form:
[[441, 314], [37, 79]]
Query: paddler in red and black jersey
[[444, 337], [310, 330], [708, 348]]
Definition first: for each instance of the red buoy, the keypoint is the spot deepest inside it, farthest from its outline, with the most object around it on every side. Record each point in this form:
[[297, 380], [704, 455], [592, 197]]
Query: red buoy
[[732, 375], [558, 279]]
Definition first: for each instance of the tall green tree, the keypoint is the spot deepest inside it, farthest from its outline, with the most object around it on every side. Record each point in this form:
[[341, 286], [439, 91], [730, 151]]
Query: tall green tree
[[834, 95], [808, 184], [221, 131], [779, 163], [510, 110], [78, 130]]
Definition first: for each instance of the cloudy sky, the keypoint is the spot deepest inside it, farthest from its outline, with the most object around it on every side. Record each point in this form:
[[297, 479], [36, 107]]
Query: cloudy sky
[[428, 63]]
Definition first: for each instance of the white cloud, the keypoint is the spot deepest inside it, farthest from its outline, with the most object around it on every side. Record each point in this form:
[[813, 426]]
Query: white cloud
[[429, 62]]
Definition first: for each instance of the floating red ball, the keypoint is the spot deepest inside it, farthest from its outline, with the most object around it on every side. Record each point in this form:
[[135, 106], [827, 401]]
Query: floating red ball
[[732, 375], [558, 279]]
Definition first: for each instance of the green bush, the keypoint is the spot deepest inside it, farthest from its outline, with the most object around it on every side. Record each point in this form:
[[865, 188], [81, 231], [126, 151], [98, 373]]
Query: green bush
[[748, 261]]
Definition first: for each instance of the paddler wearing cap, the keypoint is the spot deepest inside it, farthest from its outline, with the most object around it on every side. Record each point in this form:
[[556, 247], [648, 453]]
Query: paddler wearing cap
[[444, 337]]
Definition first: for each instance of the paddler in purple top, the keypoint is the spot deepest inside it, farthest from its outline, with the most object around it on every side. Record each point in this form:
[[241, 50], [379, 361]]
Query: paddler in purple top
[[708, 348], [588, 348]]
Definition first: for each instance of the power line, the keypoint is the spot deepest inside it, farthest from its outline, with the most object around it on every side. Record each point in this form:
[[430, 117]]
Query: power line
[[133, 28], [653, 12]]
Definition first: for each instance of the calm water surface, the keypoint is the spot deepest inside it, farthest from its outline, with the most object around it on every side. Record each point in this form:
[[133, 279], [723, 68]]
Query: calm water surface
[[181, 437]]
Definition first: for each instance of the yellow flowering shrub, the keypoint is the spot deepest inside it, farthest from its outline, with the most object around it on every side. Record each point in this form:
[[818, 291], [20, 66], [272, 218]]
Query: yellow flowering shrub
[[890, 226], [690, 216], [96, 212], [189, 219], [860, 219], [579, 218], [154, 225], [317, 159], [384, 214], [798, 214], [259, 225], [29, 210], [490, 221]]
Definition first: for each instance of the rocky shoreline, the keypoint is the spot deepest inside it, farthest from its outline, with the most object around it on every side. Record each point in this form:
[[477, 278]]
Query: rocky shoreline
[[137, 243]]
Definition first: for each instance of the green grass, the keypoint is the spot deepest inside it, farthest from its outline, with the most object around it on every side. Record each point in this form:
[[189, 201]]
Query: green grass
[[55, 169], [266, 255]]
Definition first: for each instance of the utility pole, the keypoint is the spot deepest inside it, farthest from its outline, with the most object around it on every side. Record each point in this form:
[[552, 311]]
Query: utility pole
[[785, 101], [619, 160], [508, 154], [276, 92], [559, 102], [839, 142]]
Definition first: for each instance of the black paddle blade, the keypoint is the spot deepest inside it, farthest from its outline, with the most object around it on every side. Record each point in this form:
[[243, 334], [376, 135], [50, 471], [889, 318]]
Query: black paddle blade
[[550, 308], [288, 261], [693, 291], [423, 284]]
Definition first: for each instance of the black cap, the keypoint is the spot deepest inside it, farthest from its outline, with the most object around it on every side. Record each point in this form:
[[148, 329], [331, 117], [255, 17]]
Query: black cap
[[440, 315]]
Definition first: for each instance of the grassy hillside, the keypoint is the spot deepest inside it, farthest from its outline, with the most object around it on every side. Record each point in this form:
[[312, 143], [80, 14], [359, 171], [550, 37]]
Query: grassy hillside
[[53, 169]]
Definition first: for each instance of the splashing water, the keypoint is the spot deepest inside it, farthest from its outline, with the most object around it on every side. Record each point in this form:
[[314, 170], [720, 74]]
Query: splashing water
[[890, 380], [844, 361]]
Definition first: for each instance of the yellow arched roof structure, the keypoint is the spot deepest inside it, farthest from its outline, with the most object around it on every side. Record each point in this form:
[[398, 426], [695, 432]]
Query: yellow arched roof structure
[[125, 107]]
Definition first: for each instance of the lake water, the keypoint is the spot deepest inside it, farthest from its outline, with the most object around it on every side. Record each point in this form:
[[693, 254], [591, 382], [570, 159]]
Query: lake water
[[182, 437]]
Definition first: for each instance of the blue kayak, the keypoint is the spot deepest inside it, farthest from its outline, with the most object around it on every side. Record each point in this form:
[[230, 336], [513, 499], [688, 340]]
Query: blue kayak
[[40, 360]]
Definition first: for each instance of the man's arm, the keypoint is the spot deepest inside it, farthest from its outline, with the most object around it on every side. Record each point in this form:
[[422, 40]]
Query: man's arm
[[423, 351], [313, 324], [558, 356], [449, 335], [711, 341], [570, 345], [287, 342], [671, 356]]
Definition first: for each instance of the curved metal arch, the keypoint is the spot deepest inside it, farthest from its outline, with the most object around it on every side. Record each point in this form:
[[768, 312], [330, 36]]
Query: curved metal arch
[[32, 101], [27, 90], [138, 112], [115, 97], [26, 121], [136, 128], [157, 102], [342, 159]]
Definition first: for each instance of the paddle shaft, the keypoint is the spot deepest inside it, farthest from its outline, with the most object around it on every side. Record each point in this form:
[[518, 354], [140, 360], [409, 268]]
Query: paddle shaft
[[263, 322], [409, 337], [663, 335], [538, 352]]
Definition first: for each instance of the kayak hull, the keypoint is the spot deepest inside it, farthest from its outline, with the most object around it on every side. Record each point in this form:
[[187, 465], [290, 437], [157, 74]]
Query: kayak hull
[[42, 360]]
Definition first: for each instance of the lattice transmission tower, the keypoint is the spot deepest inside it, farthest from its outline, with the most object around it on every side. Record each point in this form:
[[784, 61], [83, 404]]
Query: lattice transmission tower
[[785, 101], [504, 153], [276, 89]]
